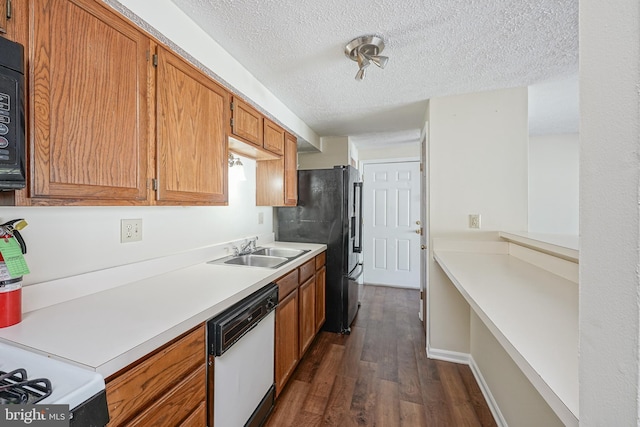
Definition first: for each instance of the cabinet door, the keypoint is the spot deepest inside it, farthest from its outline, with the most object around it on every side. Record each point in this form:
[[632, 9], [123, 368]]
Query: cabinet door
[[307, 314], [3, 16], [247, 122], [287, 348], [89, 108], [177, 404], [192, 141], [129, 393], [321, 279], [273, 137], [269, 182], [290, 170]]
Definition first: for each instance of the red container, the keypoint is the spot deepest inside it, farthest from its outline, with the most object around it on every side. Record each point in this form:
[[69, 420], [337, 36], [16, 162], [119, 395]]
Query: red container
[[10, 304]]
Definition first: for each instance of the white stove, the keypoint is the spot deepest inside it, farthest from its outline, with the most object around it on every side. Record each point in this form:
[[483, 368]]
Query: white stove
[[83, 390]]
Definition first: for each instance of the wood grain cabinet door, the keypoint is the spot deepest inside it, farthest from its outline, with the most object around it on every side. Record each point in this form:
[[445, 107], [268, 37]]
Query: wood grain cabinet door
[[3, 16], [287, 348], [89, 111], [273, 137], [290, 170], [247, 122], [321, 279], [307, 314], [192, 112]]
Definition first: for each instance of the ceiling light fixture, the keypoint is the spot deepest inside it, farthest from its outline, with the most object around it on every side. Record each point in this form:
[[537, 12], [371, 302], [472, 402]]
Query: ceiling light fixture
[[366, 50]]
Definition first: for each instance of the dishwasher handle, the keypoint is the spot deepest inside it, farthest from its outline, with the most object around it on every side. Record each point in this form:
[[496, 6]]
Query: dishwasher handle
[[224, 330]]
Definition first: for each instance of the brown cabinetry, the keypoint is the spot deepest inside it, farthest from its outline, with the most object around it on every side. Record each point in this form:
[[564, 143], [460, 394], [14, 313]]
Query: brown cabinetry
[[4, 5], [90, 108], [273, 137], [277, 179], [321, 284], [246, 122], [296, 317], [167, 388], [286, 346], [191, 116], [321, 279], [290, 170], [307, 313], [106, 127]]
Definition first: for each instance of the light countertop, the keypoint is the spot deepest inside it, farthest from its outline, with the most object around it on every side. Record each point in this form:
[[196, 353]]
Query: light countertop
[[106, 331], [533, 314]]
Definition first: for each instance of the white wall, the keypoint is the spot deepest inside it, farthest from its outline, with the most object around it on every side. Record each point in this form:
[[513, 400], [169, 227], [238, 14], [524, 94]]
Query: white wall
[[609, 215], [477, 164], [172, 23], [520, 403], [554, 183], [65, 241], [403, 151], [334, 151]]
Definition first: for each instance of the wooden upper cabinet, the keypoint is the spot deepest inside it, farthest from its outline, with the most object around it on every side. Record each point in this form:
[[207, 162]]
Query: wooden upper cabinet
[[4, 4], [192, 117], [290, 170], [246, 122], [277, 180], [273, 137], [89, 111]]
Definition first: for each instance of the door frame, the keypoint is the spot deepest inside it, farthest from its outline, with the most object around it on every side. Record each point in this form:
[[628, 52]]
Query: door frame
[[361, 165], [424, 218]]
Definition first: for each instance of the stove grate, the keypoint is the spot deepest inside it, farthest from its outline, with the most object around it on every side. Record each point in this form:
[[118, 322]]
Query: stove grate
[[16, 388]]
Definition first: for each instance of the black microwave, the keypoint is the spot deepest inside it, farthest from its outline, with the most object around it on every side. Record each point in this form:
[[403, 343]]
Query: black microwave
[[12, 118]]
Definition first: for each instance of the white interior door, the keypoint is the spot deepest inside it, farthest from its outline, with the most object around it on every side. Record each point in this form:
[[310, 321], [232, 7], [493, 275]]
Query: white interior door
[[391, 202]]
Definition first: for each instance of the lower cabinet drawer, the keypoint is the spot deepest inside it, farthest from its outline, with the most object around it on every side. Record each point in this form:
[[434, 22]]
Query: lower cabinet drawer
[[287, 284], [133, 390], [177, 405], [198, 417]]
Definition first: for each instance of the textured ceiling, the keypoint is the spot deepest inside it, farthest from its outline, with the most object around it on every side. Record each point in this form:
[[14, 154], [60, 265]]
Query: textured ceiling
[[436, 48]]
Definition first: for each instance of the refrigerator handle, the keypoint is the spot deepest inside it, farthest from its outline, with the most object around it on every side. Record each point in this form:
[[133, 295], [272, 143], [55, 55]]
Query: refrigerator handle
[[357, 205]]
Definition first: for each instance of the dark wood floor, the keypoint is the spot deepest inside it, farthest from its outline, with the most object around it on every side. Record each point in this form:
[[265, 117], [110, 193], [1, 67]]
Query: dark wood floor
[[380, 375]]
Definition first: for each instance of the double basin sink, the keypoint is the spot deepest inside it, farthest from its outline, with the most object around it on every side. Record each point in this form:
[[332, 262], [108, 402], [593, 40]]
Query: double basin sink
[[263, 257]]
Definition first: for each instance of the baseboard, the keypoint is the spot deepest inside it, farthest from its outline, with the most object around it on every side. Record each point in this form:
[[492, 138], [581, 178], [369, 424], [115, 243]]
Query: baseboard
[[448, 356], [467, 359], [491, 402]]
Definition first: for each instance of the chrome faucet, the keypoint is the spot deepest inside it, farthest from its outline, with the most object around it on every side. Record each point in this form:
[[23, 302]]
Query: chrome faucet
[[246, 248]]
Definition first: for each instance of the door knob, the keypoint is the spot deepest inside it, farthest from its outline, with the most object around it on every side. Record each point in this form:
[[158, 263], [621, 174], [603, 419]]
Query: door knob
[[419, 231], [423, 247]]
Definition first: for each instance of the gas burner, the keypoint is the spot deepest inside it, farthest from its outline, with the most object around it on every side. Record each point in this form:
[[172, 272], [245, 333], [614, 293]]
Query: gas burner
[[16, 388]]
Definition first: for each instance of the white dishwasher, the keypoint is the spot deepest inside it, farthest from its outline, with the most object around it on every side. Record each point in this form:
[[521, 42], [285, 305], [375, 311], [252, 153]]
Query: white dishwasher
[[240, 342]]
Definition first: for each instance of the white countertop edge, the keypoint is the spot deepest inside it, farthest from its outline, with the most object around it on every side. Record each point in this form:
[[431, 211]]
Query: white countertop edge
[[135, 350], [561, 245], [566, 415]]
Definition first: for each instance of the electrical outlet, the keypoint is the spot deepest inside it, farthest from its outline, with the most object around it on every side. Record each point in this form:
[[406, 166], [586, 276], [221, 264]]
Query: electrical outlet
[[130, 230], [260, 217], [474, 221]]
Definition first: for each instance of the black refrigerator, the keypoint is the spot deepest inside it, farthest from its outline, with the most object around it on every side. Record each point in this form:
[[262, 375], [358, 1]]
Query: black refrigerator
[[329, 211]]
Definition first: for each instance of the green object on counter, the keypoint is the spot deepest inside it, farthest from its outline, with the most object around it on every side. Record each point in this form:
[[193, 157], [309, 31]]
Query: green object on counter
[[13, 258]]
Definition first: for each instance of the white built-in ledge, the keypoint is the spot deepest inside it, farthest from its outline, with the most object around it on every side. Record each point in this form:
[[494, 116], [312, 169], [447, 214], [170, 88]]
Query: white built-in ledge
[[560, 245], [532, 312]]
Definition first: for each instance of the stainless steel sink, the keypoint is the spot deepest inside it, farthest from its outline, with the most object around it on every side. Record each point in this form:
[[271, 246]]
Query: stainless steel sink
[[253, 260], [281, 252], [263, 257]]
